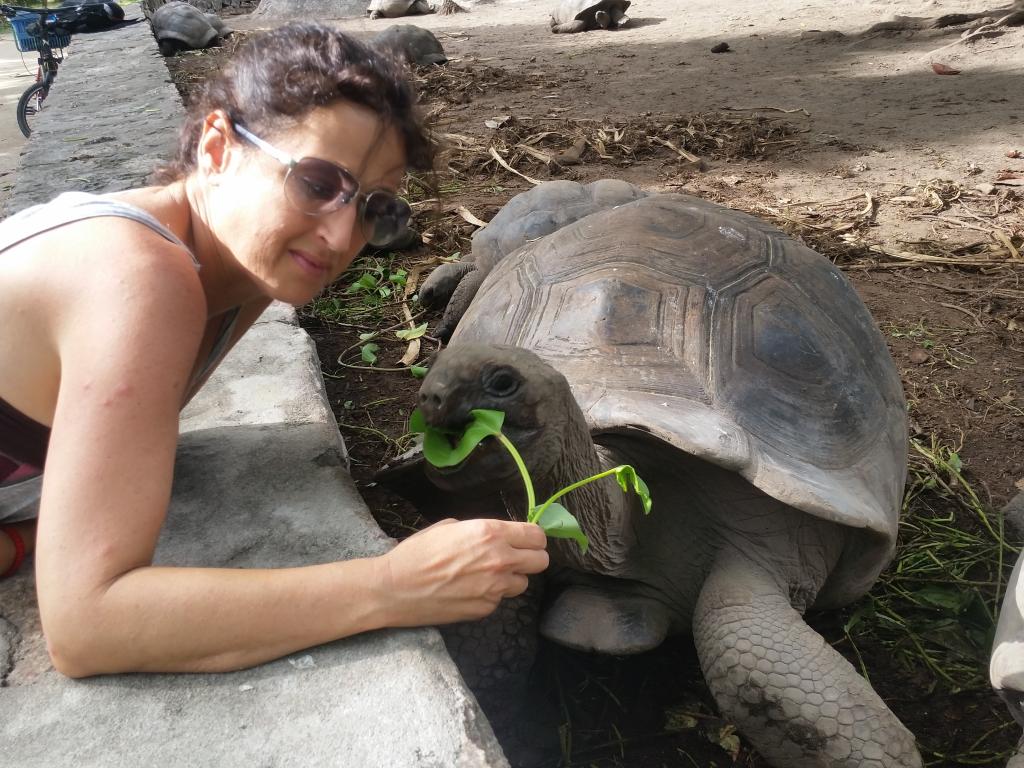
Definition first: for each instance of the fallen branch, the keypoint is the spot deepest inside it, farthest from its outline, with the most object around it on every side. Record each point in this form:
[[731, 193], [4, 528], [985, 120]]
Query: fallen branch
[[766, 109], [507, 167], [469, 218]]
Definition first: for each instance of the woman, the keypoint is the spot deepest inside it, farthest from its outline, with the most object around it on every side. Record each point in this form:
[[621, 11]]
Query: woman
[[114, 310]]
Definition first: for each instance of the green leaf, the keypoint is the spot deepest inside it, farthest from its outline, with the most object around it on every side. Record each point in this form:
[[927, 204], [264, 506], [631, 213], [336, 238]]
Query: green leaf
[[409, 334], [865, 613], [368, 353], [628, 478], [418, 371], [367, 336], [367, 282], [438, 449], [417, 424], [946, 598], [955, 463], [559, 523], [677, 718], [398, 278]]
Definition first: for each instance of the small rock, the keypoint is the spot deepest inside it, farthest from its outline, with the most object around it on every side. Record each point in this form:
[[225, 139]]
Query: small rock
[[246, 687], [985, 188], [303, 662], [919, 356], [720, 48], [1015, 154]]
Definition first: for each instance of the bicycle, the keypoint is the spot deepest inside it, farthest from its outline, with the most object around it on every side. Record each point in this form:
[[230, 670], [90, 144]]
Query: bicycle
[[40, 35]]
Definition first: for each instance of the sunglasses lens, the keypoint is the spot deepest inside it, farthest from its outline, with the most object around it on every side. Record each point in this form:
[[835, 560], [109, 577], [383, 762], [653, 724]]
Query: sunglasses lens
[[316, 186], [383, 217]]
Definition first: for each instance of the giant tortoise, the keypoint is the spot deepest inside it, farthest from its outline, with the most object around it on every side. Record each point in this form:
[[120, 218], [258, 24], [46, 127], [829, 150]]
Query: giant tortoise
[[410, 44], [740, 374], [179, 26], [585, 15], [527, 217], [390, 9]]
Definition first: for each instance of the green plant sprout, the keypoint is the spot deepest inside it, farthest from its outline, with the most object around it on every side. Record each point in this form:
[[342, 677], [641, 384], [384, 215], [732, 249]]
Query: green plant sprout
[[556, 521]]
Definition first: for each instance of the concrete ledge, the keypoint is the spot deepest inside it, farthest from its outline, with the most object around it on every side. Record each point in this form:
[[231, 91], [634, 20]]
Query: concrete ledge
[[261, 481]]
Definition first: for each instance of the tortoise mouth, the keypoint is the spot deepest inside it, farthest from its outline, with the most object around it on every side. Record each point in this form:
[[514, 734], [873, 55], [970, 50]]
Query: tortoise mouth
[[490, 463]]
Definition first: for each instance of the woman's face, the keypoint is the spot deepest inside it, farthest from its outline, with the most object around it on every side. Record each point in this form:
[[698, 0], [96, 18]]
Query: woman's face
[[292, 255]]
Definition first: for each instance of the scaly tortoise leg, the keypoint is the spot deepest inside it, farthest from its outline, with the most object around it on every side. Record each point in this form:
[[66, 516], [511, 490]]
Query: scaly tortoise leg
[[797, 700], [569, 27]]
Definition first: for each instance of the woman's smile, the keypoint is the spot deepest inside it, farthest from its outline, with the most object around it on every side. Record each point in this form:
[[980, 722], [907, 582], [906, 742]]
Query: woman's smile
[[310, 264]]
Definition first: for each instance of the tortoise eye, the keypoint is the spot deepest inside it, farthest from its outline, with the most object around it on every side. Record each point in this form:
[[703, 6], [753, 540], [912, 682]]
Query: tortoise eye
[[501, 382]]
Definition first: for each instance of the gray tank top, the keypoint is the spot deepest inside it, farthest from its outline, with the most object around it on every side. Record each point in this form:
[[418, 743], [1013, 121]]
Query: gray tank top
[[20, 501], [76, 206]]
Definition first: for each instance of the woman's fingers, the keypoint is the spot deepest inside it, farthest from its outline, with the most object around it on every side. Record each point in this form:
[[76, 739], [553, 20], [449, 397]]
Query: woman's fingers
[[516, 586], [526, 535], [529, 560], [459, 570]]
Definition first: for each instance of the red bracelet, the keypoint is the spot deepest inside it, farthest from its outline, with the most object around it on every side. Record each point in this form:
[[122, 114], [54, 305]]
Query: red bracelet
[[19, 549]]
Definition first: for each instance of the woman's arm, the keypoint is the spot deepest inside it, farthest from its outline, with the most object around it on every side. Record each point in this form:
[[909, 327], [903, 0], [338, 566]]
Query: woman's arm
[[126, 348]]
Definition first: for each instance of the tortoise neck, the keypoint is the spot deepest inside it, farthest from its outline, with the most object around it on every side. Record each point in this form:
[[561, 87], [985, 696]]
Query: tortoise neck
[[594, 504]]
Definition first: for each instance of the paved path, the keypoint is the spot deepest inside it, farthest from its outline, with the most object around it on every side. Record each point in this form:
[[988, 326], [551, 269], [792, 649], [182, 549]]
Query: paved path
[[17, 71]]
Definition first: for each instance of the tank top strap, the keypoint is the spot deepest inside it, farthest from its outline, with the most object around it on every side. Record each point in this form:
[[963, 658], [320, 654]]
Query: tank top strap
[[70, 207]]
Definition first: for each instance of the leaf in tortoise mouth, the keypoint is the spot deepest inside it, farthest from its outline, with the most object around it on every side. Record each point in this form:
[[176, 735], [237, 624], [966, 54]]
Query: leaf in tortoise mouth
[[438, 449]]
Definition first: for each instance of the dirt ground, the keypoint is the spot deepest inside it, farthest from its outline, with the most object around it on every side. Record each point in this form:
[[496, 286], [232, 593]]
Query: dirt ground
[[909, 180]]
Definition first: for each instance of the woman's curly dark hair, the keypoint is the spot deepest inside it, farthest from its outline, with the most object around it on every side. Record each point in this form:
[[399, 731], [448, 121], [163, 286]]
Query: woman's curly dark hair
[[279, 76]]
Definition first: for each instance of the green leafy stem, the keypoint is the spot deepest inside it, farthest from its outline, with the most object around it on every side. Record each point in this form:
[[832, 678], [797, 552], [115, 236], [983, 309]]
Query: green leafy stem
[[556, 520]]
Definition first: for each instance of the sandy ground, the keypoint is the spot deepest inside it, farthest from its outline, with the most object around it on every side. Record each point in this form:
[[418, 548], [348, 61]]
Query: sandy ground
[[17, 72], [874, 106]]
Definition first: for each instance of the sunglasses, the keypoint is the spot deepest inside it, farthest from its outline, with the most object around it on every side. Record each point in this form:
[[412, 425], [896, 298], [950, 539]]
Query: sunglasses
[[316, 187]]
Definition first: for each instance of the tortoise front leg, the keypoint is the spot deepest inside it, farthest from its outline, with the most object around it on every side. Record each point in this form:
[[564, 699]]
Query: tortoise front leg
[[577, 25], [459, 303], [439, 286], [799, 702], [495, 656]]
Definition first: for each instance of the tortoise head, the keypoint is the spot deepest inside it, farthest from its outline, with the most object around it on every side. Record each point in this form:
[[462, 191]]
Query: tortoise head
[[536, 399]]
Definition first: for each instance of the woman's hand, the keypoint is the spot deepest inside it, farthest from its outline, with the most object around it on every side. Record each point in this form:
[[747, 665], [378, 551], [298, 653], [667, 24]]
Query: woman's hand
[[457, 571]]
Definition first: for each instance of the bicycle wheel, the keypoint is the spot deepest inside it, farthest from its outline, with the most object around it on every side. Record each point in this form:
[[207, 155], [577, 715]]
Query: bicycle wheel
[[30, 104]]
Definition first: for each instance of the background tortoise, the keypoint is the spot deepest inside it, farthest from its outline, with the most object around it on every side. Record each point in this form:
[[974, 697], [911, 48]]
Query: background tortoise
[[527, 217], [411, 44], [390, 9], [206, 6], [178, 26], [741, 375], [584, 15]]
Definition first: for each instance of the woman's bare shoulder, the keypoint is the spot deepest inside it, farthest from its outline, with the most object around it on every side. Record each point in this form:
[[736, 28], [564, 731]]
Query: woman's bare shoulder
[[117, 259]]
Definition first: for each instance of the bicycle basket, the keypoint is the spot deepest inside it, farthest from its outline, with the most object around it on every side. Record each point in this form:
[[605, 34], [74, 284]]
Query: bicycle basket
[[25, 41]]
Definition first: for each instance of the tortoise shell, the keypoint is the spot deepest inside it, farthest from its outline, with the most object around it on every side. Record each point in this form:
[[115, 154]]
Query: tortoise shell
[[584, 10], [724, 338], [542, 210], [182, 22], [411, 44]]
